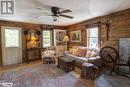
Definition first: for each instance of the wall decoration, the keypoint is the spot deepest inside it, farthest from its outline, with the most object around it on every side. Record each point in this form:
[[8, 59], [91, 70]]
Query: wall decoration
[[75, 36], [59, 36]]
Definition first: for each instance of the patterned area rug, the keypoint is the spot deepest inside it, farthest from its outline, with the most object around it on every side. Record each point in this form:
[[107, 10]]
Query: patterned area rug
[[41, 76]]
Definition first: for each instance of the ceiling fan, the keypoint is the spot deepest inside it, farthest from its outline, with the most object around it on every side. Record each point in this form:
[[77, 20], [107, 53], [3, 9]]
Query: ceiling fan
[[56, 13]]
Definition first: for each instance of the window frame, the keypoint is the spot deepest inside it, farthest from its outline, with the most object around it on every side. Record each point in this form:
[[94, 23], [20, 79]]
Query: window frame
[[50, 38], [88, 36]]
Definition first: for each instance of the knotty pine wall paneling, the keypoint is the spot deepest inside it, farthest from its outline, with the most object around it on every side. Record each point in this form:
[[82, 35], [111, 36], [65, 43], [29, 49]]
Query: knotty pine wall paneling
[[119, 27]]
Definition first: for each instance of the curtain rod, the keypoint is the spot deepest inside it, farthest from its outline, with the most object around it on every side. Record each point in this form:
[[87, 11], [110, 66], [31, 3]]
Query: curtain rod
[[98, 24]]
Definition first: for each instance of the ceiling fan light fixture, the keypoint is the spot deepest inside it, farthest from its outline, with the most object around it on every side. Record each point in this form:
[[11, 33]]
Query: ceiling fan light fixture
[[56, 13], [55, 18]]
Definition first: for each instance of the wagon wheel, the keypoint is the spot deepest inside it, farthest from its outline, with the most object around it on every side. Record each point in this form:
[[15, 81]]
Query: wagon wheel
[[109, 54]]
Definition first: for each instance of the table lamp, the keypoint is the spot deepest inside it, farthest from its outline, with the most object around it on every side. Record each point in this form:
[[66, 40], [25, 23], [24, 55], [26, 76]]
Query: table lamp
[[66, 38]]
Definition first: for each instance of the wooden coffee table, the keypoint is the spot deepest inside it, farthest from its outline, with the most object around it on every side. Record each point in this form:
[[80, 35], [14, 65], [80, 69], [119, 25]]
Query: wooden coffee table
[[66, 64]]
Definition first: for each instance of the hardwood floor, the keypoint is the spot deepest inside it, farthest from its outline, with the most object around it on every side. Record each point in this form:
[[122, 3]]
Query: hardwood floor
[[19, 66]]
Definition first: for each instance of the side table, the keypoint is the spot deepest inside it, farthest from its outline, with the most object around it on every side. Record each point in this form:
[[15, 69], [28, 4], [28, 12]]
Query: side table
[[88, 71]]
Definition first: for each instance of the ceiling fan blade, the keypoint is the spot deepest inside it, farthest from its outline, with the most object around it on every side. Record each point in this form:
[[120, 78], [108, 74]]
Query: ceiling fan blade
[[65, 11], [43, 16], [44, 10], [66, 16], [40, 8], [38, 3]]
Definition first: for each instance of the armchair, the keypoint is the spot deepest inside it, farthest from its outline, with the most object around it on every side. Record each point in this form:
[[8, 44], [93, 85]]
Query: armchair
[[49, 55]]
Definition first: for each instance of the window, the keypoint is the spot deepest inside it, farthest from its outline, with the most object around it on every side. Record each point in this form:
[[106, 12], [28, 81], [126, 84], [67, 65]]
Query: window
[[11, 38], [92, 35], [46, 38]]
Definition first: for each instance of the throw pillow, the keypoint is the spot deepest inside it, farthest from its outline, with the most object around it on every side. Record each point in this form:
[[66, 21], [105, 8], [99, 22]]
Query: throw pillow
[[93, 54], [51, 52], [71, 51], [81, 52], [75, 52], [88, 53]]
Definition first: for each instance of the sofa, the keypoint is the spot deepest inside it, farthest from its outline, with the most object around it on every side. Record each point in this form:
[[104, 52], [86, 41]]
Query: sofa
[[79, 60]]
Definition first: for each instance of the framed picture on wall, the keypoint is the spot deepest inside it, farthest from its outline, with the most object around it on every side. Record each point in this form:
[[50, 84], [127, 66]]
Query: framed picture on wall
[[75, 36], [59, 36]]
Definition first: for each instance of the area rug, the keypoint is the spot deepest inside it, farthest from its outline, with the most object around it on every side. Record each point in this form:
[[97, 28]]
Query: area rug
[[115, 80], [41, 76]]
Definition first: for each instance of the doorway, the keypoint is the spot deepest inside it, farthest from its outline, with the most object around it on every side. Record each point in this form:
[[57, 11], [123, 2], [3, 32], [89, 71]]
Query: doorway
[[11, 45]]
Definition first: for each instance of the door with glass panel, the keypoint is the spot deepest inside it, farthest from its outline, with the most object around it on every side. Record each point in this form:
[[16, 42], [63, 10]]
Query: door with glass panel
[[11, 45]]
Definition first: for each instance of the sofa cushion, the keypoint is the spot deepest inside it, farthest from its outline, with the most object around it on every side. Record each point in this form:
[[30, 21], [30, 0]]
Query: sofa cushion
[[76, 58], [78, 52], [94, 58], [81, 52], [80, 60], [72, 50], [75, 52]]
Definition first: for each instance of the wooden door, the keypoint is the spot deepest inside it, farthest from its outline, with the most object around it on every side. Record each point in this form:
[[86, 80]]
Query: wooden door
[[11, 45]]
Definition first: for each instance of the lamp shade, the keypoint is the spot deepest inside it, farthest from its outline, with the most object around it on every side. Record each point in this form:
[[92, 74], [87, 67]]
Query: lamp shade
[[33, 38], [66, 38]]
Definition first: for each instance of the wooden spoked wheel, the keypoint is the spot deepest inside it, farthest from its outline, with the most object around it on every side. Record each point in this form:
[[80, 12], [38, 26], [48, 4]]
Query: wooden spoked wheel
[[109, 54]]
